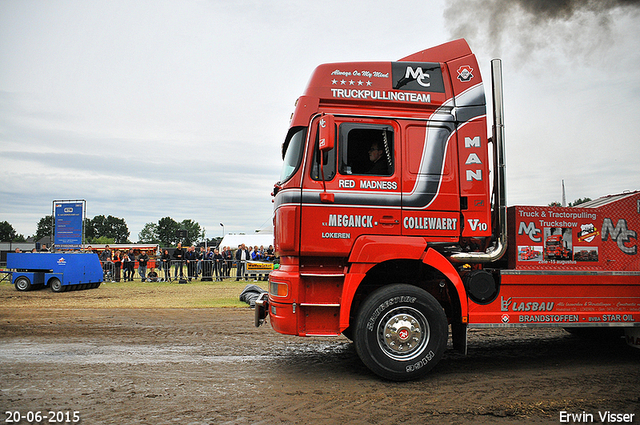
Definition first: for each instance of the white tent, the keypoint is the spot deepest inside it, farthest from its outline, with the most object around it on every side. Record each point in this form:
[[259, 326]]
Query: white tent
[[250, 240]]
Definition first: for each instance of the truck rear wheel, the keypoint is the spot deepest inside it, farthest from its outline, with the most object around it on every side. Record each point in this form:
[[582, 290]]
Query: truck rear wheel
[[22, 283], [56, 285], [401, 332]]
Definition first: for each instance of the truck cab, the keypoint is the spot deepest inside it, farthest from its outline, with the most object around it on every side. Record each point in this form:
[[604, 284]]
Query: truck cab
[[386, 173], [390, 231]]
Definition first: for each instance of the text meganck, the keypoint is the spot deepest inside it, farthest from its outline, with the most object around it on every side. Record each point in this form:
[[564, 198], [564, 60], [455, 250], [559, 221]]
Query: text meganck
[[344, 220]]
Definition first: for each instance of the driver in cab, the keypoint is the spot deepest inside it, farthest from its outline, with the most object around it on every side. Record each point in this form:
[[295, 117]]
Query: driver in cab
[[379, 162]]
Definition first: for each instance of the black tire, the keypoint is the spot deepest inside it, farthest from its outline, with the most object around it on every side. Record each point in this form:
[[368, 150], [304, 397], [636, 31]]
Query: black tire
[[56, 285], [22, 283], [401, 332]]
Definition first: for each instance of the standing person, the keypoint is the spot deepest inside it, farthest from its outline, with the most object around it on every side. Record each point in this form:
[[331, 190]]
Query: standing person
[[199, 257], [125, 266], [131, 264], [105, 258], [242, 255], [166, 265], [192, 262], [143, 259], [227, 258], [117, 263], [178, 257], [256, 255], [207, 266], [270, 255], [218, 261]]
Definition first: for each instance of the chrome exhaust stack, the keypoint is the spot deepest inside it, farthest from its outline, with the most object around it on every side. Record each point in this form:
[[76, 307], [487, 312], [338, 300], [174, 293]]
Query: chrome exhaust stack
[[499, 247]]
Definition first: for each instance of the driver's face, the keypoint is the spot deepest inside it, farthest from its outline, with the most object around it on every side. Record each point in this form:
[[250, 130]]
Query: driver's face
[[374, 153]]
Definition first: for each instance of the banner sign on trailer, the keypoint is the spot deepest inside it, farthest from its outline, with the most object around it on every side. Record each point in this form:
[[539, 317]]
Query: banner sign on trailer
[[68, 225], [597, 235]]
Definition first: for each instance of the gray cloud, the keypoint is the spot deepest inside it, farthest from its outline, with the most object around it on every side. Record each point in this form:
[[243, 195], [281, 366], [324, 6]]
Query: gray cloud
[[578, 29]]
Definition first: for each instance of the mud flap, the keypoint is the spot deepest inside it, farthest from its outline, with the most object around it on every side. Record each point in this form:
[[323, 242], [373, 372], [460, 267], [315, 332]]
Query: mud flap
[[459, 337]]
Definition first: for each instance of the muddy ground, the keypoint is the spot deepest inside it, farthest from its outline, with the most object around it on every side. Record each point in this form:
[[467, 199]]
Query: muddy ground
[[212, 366]]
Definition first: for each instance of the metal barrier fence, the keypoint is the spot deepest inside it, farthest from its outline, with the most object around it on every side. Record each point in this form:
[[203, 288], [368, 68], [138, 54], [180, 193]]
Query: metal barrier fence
[[169, 271]]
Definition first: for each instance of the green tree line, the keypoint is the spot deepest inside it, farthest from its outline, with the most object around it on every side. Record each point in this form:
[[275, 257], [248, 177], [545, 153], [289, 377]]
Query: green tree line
[[108, 229], [99, 229], [166, 232]]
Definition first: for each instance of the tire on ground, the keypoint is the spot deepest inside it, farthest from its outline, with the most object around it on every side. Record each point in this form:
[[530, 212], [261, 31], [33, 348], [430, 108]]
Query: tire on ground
[[56, 285], [401, 332], [22, 283]]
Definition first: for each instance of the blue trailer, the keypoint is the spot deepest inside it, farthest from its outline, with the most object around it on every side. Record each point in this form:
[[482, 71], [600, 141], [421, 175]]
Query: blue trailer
[[60, 271]]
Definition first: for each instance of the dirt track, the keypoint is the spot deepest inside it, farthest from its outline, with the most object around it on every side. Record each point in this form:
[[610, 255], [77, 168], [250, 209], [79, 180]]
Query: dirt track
[[200, 366]]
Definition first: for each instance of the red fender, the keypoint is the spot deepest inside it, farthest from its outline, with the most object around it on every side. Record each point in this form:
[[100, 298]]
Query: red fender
[[440, 263], [371, 250], [368, 251]]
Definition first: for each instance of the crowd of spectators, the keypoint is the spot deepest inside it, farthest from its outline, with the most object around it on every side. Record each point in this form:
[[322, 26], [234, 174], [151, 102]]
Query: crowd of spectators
[[187, 263], [120, 265], [208, 264]]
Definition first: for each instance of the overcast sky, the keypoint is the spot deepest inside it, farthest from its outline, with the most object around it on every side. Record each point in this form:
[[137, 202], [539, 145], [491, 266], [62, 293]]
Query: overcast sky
[[148, 109]]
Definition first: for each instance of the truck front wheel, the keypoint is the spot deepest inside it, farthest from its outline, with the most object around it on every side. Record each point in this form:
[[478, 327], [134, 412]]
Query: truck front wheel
[[56, 285], [22, 283], [401, 332]]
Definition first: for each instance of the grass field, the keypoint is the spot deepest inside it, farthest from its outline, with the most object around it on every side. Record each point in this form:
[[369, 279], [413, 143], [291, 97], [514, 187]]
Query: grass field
[[196, 294]]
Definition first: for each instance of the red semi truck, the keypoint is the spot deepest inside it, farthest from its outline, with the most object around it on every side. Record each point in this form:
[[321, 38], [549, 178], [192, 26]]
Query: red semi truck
[[555, 248], [390, 232]]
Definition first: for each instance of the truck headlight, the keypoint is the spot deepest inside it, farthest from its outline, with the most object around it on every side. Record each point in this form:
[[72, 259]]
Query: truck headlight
[[278, 289]]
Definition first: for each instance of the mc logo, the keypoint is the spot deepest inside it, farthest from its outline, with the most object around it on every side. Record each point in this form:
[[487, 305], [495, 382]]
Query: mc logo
[[530, 231], [418, 75], [620, 234]]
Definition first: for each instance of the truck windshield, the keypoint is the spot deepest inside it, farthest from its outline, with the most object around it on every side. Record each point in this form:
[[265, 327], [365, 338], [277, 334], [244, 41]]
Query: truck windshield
[[292, 152]]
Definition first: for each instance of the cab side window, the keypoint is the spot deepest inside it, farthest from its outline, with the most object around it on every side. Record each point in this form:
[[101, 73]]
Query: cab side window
[[366, 149]]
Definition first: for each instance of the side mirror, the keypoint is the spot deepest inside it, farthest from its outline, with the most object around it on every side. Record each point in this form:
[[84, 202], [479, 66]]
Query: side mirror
[[326, 129]]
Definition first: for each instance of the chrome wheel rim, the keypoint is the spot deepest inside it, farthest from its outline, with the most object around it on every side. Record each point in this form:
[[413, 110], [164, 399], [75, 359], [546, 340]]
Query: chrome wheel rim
[[403, 333]]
